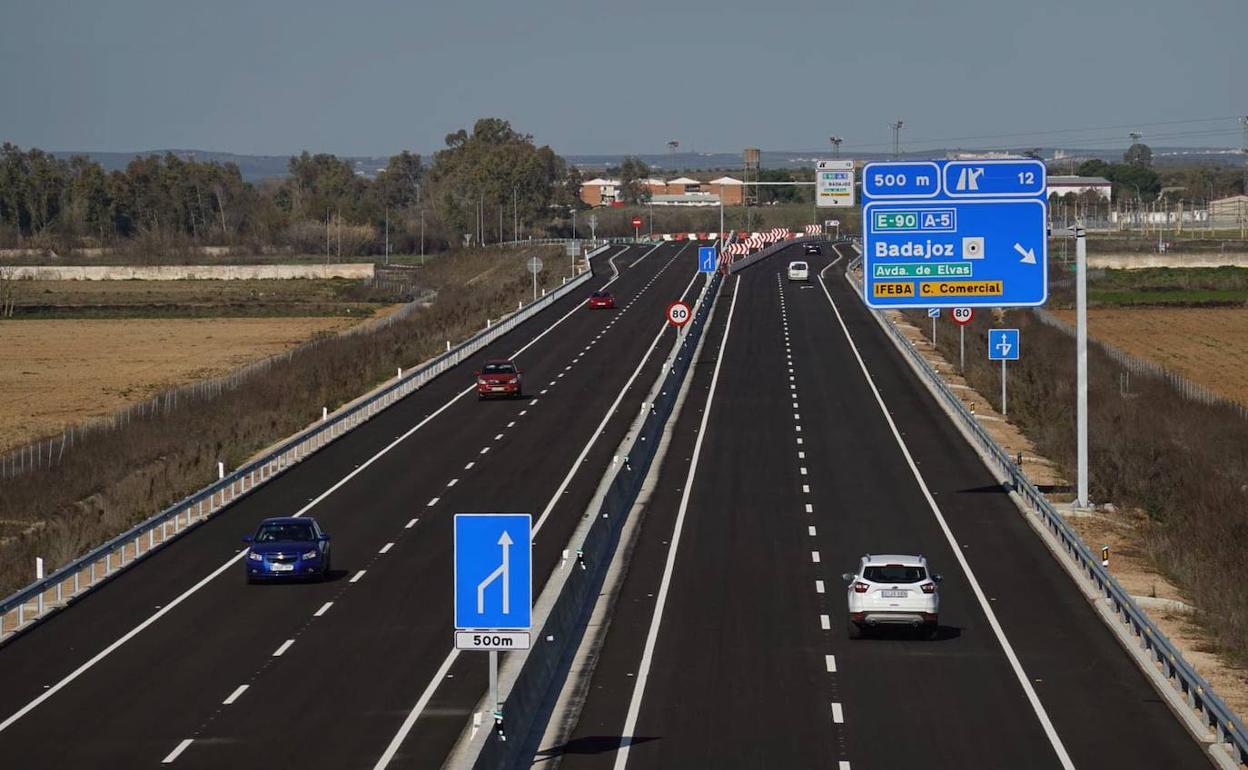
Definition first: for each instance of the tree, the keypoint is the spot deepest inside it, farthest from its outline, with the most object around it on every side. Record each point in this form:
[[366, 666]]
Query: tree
[[1138, 154], [633, 176], [1094, 167]]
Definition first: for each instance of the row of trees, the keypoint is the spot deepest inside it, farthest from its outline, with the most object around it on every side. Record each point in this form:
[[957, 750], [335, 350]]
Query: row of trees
[[46, 200], [1135, 178]]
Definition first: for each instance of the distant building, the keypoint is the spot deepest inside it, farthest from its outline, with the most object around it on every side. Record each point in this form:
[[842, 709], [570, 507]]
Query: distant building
[[1064, 185], [1229, 212], [681, 191]]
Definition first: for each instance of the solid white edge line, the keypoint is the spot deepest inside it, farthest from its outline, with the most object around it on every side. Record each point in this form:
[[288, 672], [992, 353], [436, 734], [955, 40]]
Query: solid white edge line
[[656, 619], [242, 688], [1041, 714], [397, 741], [324, 608], [181, 747], [285, 646]]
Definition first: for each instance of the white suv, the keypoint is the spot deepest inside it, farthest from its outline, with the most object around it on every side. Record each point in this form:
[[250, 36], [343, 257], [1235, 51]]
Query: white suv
[[799, 271], [892, 589]]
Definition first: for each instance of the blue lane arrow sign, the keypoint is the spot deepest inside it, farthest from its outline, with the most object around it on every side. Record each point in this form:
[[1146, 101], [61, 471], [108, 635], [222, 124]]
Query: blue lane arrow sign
[[1003, 345], [708, 260], [493, 571]]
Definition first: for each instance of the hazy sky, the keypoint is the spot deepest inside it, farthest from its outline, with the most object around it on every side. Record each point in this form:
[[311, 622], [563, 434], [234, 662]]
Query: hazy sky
[[369, 77]]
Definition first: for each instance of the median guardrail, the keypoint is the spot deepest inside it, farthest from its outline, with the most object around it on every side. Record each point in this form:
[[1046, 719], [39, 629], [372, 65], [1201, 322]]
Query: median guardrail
[[1222, 722], [36, 601]]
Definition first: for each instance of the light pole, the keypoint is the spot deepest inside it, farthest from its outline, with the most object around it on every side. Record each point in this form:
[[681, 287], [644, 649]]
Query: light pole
[[1081, 360], [896, 138], [836, 146]]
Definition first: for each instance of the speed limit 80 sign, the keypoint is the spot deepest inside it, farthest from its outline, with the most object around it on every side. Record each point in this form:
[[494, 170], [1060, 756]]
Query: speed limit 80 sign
[[678, 314], [962, 315]]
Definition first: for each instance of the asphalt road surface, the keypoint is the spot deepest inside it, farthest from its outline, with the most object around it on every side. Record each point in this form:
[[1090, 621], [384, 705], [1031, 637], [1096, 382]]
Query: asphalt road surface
[[179, 661], [728, 646]]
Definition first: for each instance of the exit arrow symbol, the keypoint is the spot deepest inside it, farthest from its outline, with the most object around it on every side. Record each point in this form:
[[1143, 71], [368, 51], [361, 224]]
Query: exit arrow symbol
[[1029, 255], [504, 572]]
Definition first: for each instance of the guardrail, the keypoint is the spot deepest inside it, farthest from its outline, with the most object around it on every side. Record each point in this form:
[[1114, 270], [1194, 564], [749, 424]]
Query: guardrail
[[767, 251], [29, 605], [545, 664], [1169, 661]]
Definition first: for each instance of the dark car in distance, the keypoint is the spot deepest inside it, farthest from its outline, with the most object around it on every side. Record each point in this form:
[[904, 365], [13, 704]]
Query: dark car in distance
[[500, 377], [812, 248], [285, 548]]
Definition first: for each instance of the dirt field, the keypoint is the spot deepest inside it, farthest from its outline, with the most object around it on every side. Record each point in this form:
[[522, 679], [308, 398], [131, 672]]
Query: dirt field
[[55, 373], [1207, 345]]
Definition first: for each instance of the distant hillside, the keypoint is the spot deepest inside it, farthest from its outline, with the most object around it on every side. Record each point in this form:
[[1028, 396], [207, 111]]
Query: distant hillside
[[253, 167]]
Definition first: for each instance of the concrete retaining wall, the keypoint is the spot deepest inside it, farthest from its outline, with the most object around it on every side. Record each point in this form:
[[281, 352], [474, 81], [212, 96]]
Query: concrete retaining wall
[[1140, 261], [356, 270]]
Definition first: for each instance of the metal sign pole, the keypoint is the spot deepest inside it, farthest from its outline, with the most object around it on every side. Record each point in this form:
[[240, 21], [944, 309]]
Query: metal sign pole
[[1004, 411], [962, 348], [494, 680], [933, 331], [1081, 354]]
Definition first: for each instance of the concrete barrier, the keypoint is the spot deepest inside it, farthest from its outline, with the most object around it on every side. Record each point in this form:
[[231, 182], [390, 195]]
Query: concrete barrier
[[351, 270]]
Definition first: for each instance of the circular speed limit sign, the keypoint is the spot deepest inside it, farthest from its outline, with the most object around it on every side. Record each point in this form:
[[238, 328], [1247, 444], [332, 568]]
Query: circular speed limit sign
[[678, 313], [962, 315]]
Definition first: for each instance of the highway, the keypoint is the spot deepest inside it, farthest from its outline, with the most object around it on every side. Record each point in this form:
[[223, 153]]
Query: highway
[[806, 443], [178, 661]]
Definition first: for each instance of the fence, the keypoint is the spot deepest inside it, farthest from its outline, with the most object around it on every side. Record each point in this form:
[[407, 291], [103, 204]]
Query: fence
[[1167, 659], [57, 590], [1142, 366]]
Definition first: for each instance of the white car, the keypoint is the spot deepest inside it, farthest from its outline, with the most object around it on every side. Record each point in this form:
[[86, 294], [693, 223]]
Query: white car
[[799, 271], [892, 590]]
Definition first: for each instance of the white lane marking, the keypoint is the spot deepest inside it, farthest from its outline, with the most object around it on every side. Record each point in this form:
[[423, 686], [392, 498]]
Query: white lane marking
[[543, 392], [356, 577], [648, 253], [511, 424], [818, 586], [167, 608], [797, 428], [810, 508], [410, 524], [806, 489], [829, 662], [486, 449], [496, 438], [1054, 740], [181, 747], [561, 375], [433, 684], [531, 403], [386, 548], [803, 469], [825, 622], [801, 455], [468, 467], [643, 674], [838, 714], [432, 502], [799, 440], [814, 556], [523, 412], [810, 530], [797, 416], [843, 764], [285, 646], [242, 688], [452, 482], [324, 608]]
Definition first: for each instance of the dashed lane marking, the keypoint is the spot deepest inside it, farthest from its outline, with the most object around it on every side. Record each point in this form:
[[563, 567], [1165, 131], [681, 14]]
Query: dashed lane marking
[[181, 747], [356, 577], [324, 608], [386, 548], [280, 651], [242, 688]]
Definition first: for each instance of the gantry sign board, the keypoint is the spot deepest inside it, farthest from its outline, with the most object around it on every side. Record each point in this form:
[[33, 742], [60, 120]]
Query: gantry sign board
[[834, 183], [955, 233], [493, 580]]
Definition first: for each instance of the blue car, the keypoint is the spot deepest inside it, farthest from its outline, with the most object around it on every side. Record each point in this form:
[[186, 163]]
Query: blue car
[[285, 548]]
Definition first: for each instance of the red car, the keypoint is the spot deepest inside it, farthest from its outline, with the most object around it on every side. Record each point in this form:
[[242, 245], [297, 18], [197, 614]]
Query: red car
[[602, 299], [500, 377]]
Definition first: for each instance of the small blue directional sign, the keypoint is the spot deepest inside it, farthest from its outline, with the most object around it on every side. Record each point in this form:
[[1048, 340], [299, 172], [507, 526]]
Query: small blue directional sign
[[955, 233], [708, 260], [1003, 345], [933, 312], [493, 571]]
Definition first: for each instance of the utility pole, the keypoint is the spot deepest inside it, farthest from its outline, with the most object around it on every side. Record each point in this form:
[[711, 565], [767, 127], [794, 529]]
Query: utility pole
[[340, 235], [836, 145], [896, 138], [387, 235], [515, 216], [1081, 362]]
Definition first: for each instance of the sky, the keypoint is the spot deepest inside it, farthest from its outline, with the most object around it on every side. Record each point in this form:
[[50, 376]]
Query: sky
[[372, 77]]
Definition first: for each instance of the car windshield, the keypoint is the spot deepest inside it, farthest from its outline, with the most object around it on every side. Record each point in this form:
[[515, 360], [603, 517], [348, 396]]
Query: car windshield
[[498, 369], [894, 573], [285, 530]]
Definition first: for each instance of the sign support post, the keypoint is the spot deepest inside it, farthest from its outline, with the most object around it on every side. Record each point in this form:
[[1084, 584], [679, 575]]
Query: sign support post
[[961, 348], [1004, 410], [1003, 345], [1081, 354]]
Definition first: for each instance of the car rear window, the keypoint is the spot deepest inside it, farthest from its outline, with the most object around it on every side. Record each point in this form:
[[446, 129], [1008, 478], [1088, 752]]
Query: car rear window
[[498, 369], [601, 294], [894, 573], [798, 266], [295, 530]]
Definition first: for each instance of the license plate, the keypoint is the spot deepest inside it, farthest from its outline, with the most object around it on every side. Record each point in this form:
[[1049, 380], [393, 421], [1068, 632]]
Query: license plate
[[282, 567], [894, 594]]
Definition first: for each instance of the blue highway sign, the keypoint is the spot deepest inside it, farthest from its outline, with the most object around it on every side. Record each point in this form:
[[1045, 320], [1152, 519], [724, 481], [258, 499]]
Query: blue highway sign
[[708, 260], [933, 312], [955, 234], [493, 571], [1003, 345]]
